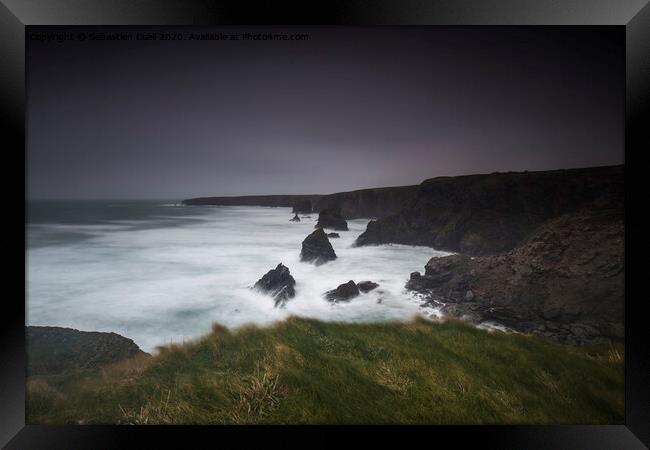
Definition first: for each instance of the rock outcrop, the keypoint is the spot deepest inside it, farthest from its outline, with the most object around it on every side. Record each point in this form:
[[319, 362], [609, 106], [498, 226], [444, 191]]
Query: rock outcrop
[[343, 292], [369, 203], [490, 214], [566, 282], [333, 235], [331, 218], [295, 219], [278, 283], [316, 248], [56, 350], [367, 286], [302, 207]]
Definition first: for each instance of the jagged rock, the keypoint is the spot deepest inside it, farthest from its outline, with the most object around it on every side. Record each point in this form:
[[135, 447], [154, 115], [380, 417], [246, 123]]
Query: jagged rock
[[566, 282], [343, 292], [367, 286], [333, 235], [54, 350], [316, 248], [295, 219], [331, 218], [278, 283], [303, 207]]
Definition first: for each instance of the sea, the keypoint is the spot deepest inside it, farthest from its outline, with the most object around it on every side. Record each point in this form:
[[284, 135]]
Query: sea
[[159, 272]]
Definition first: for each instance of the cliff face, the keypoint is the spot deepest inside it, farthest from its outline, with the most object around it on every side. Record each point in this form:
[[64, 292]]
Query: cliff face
[[53, 350], [565, 282], [364, 203], [489, 214], [369, 203], [254, 200]]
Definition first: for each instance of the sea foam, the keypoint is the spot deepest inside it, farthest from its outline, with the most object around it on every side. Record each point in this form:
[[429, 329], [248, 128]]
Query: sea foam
[[168, 278]]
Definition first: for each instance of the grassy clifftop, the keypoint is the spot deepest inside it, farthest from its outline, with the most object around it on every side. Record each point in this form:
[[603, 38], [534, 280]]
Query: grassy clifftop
[[305, 371]]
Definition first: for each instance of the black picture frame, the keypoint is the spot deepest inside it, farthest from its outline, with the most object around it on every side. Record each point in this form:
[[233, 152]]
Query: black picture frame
[[15, 16]]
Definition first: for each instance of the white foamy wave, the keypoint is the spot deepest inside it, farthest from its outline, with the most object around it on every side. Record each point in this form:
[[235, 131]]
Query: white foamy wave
[[169, 284]]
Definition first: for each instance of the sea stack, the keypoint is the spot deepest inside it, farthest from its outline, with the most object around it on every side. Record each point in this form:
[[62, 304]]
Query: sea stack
[[330, 217], [316, 248], [278, 283]]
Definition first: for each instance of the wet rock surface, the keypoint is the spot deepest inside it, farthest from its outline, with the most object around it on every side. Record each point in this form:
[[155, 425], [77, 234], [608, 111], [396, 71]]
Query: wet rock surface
[[331, 218], [367, 286], [277, 283], [343, 292], [333, 235], [316, 248], [295, 219]]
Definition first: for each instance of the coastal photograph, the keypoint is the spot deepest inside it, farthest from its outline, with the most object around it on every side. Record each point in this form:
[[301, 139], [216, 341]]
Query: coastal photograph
[[325, 225]]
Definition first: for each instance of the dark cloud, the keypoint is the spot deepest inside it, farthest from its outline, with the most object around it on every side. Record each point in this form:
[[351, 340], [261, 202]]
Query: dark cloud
[[348, 108]]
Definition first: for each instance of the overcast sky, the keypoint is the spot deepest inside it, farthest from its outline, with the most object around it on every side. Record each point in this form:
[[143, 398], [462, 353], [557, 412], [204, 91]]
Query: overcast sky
[[346, 109]]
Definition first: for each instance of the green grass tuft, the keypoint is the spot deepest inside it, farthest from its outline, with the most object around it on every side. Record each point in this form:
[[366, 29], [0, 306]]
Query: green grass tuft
[[303, 371]]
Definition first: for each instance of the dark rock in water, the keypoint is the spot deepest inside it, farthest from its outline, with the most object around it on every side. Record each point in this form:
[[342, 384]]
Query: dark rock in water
[[331, 218], [367, 286], [566, 282], [55, 350], [295, 219], [344, 292], [303, 207], [316, 248], [278, 283], [333, 235]]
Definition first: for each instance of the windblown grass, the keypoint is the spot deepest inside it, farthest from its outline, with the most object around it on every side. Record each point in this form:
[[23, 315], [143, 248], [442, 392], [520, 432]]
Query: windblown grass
[[304, 371]]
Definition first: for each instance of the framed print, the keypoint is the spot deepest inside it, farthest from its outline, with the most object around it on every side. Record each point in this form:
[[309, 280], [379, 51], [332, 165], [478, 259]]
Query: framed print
[[250, 223]]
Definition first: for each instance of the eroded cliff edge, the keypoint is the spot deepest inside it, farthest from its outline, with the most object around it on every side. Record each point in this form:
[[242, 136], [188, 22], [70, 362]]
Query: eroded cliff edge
[[565, 282], [363, 203], [493, 213]]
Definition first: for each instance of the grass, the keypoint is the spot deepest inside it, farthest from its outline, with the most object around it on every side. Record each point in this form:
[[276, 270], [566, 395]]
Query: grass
[[302, 371]]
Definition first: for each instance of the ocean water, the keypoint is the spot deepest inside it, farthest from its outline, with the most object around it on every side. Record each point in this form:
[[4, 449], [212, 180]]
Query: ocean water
[[159, 272]]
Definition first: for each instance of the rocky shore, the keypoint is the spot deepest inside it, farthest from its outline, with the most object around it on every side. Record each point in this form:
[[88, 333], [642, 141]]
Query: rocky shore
[[565, 282]]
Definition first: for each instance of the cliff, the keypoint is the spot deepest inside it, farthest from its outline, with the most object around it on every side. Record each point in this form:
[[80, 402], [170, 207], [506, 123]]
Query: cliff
[[489, 214], [54, 350], [565, 282], [369, 203], [363, 203], [253, 200]]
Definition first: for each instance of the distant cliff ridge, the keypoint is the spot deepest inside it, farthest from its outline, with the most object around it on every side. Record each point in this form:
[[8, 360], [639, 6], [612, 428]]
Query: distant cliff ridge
[[471, 214], [494, 213], [253, 200], [363, 203]]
